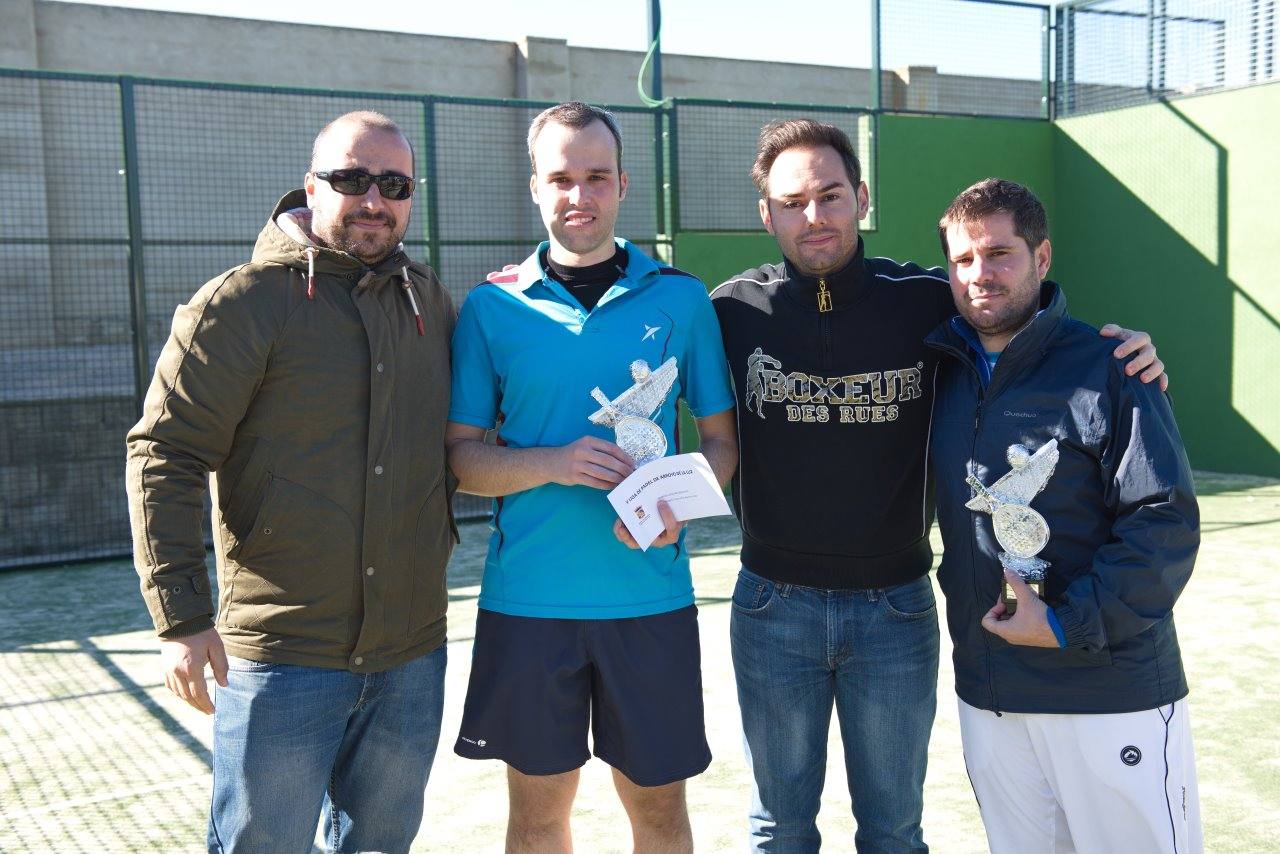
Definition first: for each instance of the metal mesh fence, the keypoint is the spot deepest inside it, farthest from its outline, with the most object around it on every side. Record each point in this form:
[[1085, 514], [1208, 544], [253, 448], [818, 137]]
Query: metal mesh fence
[[129, 194], [1119, 53], [716, 144], [67, 393], [126, 195], [965, 57]]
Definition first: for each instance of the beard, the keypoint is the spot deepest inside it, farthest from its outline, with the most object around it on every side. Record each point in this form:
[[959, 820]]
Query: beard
[[369, 247], [1021, 303]]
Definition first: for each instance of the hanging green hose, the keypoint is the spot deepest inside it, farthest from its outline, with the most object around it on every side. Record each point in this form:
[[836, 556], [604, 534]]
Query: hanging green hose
[[644, 67]]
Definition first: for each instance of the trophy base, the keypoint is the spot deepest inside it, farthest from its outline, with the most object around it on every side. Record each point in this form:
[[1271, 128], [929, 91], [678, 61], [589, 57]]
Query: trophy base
[[1011, 601]]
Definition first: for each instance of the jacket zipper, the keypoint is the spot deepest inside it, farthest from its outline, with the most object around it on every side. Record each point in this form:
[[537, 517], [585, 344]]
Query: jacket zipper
[[824, 341], [973, 548]]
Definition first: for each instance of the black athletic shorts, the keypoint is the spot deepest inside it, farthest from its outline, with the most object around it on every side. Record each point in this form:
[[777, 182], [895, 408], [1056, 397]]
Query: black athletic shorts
[[536, 682]]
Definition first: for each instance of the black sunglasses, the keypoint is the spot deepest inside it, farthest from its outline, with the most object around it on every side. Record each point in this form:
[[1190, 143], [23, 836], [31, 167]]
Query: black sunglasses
[[355, 182]]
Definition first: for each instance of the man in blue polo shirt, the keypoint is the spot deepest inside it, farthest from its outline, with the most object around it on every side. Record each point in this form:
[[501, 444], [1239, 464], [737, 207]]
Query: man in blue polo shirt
[[576, 626]]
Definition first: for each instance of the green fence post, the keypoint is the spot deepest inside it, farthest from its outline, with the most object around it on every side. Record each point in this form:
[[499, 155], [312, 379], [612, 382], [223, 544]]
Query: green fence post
[[875, 56], [137, 276], [1046, 28], [431, 216], [1066, 62], [1151, 46], [673, 171], [659, 176]]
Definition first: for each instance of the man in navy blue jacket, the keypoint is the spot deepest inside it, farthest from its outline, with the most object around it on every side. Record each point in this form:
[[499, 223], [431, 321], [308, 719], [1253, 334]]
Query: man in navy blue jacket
[[1053, 465]]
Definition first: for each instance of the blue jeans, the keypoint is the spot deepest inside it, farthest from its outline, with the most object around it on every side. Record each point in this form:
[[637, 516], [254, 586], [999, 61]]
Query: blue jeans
[[874, 654], [289, 742]]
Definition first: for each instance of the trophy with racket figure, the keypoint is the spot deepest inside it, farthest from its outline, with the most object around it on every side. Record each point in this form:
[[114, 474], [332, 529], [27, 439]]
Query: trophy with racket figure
[[630, 413], [1020, 531]]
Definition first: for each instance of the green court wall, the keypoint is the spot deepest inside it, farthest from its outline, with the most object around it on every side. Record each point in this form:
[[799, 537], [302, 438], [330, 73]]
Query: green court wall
[[1166, 220], [1162, 219]]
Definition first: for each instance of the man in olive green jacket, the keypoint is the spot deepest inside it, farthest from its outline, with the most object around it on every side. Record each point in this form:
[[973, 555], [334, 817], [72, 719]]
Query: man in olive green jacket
[[313, 385]]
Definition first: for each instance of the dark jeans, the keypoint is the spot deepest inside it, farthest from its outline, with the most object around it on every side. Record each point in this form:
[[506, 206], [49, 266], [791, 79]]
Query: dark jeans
[[874, 655]]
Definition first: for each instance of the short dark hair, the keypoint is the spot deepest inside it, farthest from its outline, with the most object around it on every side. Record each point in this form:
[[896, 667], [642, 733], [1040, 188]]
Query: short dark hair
[[362, 118], [992, 196], [576, 115], [777, 137]]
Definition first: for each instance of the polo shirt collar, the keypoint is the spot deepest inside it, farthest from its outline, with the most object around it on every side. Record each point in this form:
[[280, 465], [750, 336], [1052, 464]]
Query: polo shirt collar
[[640, 269]]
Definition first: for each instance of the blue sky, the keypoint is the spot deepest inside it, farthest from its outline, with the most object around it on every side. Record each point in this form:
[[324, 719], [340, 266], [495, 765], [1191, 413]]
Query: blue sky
[[959, 37]]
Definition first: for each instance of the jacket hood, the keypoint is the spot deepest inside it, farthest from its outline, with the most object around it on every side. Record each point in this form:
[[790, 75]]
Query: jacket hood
[[287, 239]]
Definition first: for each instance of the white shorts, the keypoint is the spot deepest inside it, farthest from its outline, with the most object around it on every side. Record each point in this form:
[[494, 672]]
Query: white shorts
[[1122, 783]]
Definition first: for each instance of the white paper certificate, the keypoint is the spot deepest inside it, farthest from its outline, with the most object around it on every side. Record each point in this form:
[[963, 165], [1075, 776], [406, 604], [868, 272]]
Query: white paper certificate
[[684, 481]]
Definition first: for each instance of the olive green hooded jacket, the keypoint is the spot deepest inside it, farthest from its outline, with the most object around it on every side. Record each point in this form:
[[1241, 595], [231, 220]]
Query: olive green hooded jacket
[[321, 419]]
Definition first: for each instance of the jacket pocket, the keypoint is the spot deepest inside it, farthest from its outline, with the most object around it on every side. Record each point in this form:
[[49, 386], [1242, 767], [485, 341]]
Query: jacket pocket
[[241, 491], [294, 573], [433, 542]]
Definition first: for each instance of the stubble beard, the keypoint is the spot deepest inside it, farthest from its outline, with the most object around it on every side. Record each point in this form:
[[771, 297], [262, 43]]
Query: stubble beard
[[1014, 316], [823, 262], [344, 236]]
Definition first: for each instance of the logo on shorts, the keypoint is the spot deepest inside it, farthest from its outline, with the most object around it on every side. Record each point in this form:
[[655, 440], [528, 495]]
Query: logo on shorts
[[480, 743], [1131, 755]]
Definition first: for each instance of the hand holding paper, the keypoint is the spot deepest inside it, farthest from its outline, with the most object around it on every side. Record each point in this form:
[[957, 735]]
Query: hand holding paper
[[670, 534], [684, 482]]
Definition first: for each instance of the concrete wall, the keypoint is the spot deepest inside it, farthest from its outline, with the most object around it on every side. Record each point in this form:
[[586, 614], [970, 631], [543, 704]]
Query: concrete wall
[[112, 40]]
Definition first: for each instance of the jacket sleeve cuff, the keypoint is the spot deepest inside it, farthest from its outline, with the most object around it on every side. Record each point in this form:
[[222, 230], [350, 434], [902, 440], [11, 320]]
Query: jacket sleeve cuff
[[1057, 629], [188, 628], [175, 600], [1075, 631]]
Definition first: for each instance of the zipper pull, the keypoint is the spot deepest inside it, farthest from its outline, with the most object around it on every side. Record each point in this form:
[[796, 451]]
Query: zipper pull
[[824, 296]]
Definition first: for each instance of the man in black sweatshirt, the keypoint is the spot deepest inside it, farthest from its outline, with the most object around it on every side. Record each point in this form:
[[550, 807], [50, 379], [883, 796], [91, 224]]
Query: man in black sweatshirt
[[833, 605]]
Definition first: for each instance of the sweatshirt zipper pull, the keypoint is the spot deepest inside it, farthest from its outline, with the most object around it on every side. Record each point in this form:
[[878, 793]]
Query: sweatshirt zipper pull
[[824, 296], [413, 303]]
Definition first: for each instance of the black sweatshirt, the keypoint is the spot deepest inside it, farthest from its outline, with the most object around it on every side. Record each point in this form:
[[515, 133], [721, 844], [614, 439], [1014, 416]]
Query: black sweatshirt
[[834, 413]]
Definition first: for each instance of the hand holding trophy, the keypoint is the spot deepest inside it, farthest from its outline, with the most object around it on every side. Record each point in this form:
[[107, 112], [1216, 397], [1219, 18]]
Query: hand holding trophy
[[663, 492], [1021, 531]]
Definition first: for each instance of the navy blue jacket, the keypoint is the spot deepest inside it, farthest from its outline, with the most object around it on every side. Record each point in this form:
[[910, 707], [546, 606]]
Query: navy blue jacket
[[1121, 509]]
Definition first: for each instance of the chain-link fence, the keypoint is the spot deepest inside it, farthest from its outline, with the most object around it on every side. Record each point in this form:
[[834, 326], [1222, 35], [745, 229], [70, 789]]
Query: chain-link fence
[[1119, 53], [965, 57], [715, 144], [127, 195]]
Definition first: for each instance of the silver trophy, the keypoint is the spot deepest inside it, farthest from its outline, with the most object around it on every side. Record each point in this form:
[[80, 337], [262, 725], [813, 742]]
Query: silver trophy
[[629, 413], [1021, 531]]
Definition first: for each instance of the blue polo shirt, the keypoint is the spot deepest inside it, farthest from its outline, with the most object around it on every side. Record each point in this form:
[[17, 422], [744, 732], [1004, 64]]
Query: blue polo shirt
[[528, 354]]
